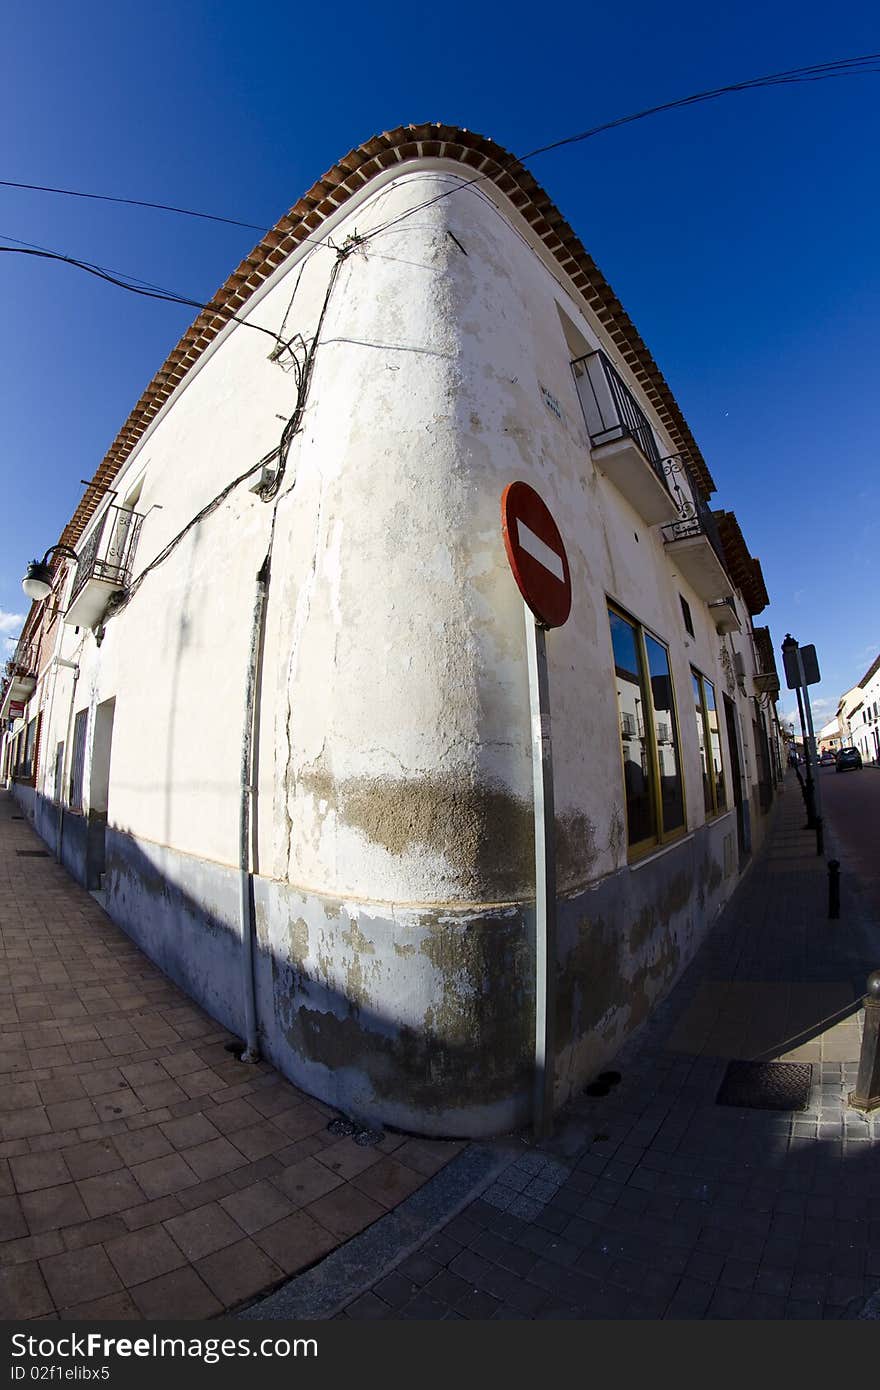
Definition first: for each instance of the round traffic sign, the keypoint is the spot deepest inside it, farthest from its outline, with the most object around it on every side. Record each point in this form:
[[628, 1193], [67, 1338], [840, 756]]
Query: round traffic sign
[[536, 554]]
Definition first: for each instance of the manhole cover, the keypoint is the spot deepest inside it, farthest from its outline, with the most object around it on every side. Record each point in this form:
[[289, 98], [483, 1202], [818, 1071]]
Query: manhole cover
[[766, 1085], [32, 853]]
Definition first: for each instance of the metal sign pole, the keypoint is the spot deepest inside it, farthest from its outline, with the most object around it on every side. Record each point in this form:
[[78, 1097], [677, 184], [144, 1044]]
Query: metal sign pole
[[545, 877], [811, 754], [809, 797]]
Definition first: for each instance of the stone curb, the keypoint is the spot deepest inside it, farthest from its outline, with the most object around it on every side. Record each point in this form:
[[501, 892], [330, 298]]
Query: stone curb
[[353, 1269]]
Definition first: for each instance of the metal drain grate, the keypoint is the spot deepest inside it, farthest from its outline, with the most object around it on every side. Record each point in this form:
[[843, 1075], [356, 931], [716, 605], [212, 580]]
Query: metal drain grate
[[766, 1085], [32, 853]]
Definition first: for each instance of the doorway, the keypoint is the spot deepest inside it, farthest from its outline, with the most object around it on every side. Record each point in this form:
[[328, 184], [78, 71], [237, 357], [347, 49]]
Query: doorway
[[736, 778], [99, 794]]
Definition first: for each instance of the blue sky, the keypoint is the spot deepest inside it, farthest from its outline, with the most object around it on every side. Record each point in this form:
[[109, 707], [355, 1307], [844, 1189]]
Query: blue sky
[[741, 235]]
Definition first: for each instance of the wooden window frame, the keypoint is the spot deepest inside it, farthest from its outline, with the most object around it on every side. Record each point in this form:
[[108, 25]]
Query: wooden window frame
[[642, 848], [716, 809]]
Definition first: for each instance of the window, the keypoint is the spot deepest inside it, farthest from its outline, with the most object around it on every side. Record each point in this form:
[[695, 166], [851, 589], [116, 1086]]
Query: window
[[27, 765], [649, 735], [686, 614], [78, 760], [709, 743], [59, 769]]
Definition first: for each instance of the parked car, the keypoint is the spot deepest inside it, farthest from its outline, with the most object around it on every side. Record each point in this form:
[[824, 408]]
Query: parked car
[[827, 759], [848, 757]]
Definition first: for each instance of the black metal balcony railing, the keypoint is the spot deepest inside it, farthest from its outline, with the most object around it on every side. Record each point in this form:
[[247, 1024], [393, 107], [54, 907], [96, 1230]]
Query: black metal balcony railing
[[109, 551], [696, 520], [611, 410], [23, 661]]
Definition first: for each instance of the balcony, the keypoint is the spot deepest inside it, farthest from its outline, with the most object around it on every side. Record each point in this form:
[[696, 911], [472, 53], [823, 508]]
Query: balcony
[[19, 680], [623, 444], [724, 615], [693, 545], [104, 566], [766, 677]]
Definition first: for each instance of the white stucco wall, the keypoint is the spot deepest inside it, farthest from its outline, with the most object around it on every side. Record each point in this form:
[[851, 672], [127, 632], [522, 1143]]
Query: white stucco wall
[[394, 770]]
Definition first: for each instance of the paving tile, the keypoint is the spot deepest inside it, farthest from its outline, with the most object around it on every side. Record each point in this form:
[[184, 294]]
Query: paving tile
[[297, 1122], [23, 1292], [151, 1213], [257, 1141], [110, 1192], [20, 1124], [94, 1157], [200, 1083], [232, 1115], [114, 1307], [204, 1230], [296, 1241], [306, 1181], [189, 1131], [143, 1255], [117, 1105], [347, 1159], [71, 1114], [36, 1170], [51, 1207], [79, 1276], [388, 1182], [61, 1088], [161, 1176], [93, 1232], [345, 1211], [178, 1295], [140, 1145], [261, 1204], [238, 1272], [213, 1159]]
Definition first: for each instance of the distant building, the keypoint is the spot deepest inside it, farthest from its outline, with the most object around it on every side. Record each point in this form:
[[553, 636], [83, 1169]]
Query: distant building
[[277, 713]]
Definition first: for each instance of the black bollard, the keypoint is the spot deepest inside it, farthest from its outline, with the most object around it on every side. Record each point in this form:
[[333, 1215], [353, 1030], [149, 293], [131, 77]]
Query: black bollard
[[866, 1096], [834, 888]]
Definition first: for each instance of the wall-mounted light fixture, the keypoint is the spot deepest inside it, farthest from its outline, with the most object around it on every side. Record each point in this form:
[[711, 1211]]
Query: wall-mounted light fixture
[[37, 582]]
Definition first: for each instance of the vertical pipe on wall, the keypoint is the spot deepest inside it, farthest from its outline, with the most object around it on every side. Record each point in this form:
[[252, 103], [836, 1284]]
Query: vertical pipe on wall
[[246, 901]]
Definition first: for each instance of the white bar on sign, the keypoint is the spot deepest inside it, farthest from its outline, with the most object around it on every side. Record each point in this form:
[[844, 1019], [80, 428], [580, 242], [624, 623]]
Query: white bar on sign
[[539, 550]]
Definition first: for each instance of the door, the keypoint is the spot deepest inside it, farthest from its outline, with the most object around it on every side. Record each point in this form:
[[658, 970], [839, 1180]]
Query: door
[[99, 793], [736, 777]]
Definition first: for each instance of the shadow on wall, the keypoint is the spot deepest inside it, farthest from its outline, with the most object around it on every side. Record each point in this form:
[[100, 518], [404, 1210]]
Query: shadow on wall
[[466, 1068]]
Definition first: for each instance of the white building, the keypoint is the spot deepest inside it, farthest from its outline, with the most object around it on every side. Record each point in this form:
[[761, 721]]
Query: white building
[[864, 716], [282, 725]]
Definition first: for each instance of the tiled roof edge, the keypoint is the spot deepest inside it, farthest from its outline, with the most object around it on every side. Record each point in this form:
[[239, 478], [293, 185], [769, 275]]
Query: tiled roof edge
[[329, 193]]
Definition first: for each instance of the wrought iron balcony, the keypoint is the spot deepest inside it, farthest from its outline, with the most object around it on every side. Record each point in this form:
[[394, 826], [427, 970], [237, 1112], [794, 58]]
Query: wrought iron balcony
[[623, 443], [766, 677], [19, 678], [104, 565], [694, 545]]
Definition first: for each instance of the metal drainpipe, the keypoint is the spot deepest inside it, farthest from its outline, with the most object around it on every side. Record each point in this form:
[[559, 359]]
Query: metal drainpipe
[[248, 774]]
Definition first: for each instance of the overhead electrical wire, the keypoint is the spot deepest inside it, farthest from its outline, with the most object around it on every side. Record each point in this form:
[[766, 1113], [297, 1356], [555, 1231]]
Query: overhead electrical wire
[[868, 63], [168, 296], [132, 202], [865, 63]]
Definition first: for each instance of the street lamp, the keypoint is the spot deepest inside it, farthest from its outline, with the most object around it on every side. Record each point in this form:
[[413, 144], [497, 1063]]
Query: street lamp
[[37, 582]]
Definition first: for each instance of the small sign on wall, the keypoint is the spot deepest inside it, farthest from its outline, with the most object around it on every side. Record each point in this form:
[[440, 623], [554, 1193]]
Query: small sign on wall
[[551, 402]]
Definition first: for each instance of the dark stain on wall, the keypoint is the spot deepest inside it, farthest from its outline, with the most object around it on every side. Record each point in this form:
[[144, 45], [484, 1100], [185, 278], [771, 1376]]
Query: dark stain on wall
[[474, 1047]]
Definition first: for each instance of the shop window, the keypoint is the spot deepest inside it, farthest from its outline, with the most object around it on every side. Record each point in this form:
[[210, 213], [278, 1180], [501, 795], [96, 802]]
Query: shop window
[[709, 743], [655, 809]]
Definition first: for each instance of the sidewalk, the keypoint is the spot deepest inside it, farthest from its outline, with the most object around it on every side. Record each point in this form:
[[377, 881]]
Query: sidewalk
[[144, 1171], [653, 1201]]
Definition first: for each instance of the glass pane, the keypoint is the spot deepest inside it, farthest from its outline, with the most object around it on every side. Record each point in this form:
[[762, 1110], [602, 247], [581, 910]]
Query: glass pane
[[640, 819], [701, 744], [715, 743], [671, 795]]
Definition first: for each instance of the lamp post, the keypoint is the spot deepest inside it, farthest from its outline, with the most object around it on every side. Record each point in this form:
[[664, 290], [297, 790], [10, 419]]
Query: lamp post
[[37, 582]]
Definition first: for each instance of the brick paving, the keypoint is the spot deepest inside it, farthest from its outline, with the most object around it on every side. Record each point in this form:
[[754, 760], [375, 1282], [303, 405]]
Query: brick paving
[[654, 1202], [144, 1171]]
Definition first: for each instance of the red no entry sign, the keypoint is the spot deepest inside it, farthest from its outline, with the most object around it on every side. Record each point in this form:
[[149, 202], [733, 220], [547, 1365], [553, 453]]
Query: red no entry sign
[[536, 554]]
